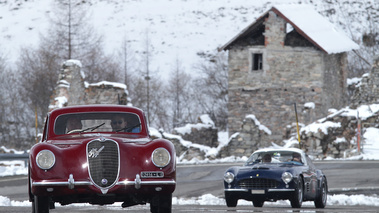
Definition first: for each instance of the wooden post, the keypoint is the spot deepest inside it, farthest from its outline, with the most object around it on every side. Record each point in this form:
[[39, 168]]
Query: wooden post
[[358, 133], [297, 126], [36, 119]]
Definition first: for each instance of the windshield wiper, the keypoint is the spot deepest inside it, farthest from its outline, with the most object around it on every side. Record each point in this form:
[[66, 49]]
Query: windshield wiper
[[128, 128], [92, 128]]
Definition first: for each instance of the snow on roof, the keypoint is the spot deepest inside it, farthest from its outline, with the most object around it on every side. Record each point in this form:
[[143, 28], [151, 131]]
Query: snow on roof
[[319, 30], [310, 24], [107, 83], [71, 62]]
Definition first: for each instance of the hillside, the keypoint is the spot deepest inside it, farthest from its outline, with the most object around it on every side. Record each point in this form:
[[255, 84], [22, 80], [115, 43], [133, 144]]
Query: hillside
[[176, 30]]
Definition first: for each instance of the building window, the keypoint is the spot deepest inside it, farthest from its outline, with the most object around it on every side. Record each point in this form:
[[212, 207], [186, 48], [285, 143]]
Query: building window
[[257, 61]]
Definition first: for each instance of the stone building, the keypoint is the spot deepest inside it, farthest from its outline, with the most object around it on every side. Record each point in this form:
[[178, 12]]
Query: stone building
[[73, 90], [290, 54]]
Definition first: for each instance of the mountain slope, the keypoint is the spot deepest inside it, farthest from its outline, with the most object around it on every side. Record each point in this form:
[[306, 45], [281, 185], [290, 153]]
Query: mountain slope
[[176, 30]]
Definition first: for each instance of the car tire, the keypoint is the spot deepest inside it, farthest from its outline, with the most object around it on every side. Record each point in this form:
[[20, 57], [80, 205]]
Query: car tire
[[297, 198], [161, 204], [33, 207], [230, 201], [41, 204], [258, 203], [321, 198]]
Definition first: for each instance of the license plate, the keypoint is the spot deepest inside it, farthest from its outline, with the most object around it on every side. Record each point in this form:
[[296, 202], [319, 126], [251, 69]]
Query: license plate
[[257, 191], [152, 174]]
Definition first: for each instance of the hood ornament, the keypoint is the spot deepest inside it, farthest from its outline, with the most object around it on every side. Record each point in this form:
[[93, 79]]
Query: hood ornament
[[94, 152]]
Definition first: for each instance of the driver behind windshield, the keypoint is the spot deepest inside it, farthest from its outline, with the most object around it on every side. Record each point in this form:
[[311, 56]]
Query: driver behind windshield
[[73, 123], [266, 158], [296, 157], [119, 124]]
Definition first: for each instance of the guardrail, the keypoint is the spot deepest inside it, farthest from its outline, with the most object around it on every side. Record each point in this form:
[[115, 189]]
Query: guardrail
[[7, 156]]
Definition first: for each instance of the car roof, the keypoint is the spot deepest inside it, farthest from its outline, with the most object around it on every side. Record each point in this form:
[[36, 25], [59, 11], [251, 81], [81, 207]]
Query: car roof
[[96, 107], [281, 149]]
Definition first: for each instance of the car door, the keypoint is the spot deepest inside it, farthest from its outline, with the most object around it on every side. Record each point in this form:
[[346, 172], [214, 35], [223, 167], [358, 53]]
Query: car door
[[310, 179]]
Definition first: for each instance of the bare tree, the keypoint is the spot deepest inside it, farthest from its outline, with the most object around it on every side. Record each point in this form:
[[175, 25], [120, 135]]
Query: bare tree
[[38, 76], [4, 99], [147, 73], [71, 36], [212, 87], [70, 31], [158, 104], [127, 58], [361, 25], [15, 126], [179, 94]]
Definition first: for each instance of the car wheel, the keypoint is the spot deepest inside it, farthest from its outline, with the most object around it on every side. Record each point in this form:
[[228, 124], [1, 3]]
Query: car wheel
[[161, 204], [231, 202], [320, 201], [33, 207], [41, 204], [258, 203], [297, 198]]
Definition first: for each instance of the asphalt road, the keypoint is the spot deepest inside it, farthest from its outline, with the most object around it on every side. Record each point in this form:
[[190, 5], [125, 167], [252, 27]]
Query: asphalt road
[[344, 177]]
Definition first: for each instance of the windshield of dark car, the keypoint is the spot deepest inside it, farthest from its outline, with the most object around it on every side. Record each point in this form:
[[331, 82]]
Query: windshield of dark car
[[97, 122], [288, 157]]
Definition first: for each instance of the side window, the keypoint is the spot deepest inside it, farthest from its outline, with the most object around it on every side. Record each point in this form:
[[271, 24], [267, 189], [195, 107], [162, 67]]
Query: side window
[[310, 163], [257, 61]]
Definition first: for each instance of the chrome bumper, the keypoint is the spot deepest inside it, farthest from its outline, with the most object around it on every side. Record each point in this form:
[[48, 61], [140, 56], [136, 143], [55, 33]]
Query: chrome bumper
[[71, 183], [268, 190]]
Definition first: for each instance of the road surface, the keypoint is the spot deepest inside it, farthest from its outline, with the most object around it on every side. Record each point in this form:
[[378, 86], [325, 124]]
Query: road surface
[[344, 177]]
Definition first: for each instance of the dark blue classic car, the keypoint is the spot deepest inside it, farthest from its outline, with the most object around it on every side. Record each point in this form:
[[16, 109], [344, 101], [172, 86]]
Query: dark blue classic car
[[276, 174]]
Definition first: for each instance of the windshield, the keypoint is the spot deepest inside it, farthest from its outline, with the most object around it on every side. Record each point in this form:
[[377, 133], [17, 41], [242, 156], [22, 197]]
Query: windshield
[[97, 122], [275, 157]]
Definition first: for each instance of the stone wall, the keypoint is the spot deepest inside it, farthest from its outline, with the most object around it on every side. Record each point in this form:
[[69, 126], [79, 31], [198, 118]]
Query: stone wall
[[335, 81], [106, 93], [368, 90], [189, 139], [251, 136], [335, 141], [340, 138], [72, 90]]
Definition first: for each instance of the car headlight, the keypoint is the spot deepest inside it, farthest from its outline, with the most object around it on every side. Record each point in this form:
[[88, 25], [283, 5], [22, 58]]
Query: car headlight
[[228, 177], [161, 157], [45, 159], [287, 177]]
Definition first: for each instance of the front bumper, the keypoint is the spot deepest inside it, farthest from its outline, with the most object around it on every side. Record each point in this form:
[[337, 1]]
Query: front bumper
[[262, 194], [70, 186], [252, 190]]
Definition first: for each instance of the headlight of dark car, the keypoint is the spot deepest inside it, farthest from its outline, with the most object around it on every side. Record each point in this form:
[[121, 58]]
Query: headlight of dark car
[[287, 177], [228, 177], [45, 159], [161, 157]]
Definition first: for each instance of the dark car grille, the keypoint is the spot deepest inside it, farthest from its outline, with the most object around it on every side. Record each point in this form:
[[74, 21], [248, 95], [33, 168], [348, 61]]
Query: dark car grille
[[258, 183], [103, 162]]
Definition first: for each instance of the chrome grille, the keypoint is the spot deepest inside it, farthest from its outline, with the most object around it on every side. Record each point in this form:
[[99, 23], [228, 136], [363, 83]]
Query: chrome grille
[[103, 162], [258, 183]]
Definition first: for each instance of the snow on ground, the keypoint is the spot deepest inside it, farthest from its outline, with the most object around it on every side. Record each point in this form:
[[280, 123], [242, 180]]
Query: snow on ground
[[176, 30], [11, 168], [209, 199], [343, 200]]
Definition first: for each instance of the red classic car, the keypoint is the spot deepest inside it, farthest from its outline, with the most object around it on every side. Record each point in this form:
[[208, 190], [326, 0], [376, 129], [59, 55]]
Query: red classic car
[[101, 154]]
